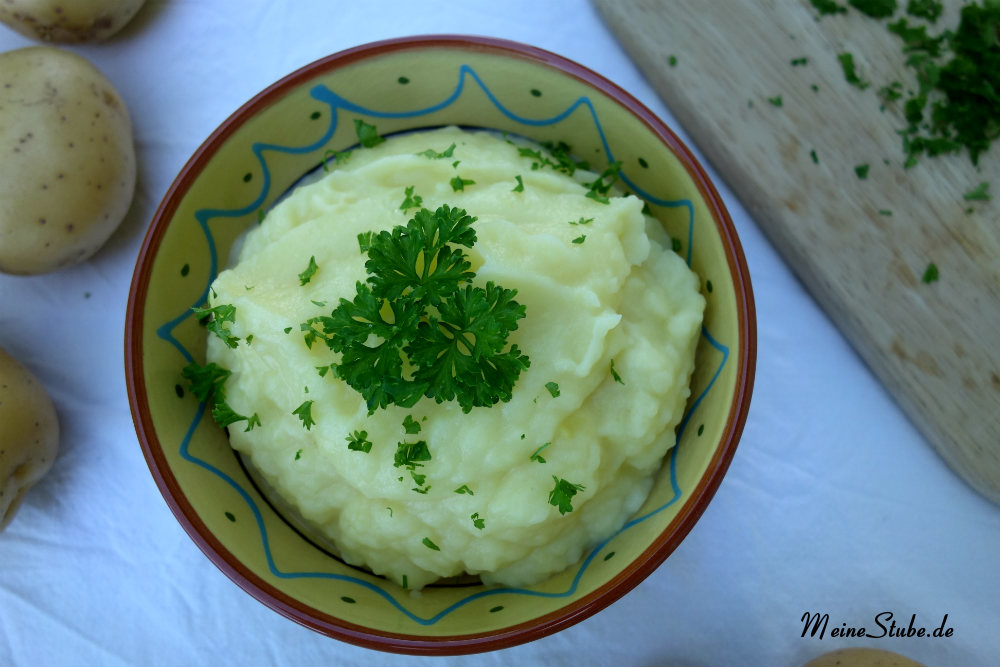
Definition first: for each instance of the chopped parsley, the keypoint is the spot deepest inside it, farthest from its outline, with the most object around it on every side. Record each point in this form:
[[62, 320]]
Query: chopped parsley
[[358, 442], [581, 221], [207, 384], [600, 187], [814, 156], [478, 521], [930, 273], [580, 239], [825, 7], [410, 200], [368, 136], [298, 454], [776, 100], [614, 374], [553, 388], [411, 455], [799, 62], [464, 489], [537, 454], [850, 73], [978, 194], [925, 9], [309, 272], [216, 318], [520, 184], [434, 155], [411, 425], [422, 313], [430, 545], [562, 494], [304, 413], [862, 171], [458, 183]]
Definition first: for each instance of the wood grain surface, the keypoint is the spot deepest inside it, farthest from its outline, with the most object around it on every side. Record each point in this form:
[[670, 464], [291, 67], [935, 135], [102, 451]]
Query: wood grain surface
[[861, 246]]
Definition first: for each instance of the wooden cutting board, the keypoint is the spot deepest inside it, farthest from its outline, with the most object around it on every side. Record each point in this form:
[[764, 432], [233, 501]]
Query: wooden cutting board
[[861, 246]]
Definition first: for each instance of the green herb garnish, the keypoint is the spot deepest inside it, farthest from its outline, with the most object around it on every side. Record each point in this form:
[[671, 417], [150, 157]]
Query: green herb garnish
[[464, 489], [411, 455], [520, 184], [421, 309], [862, 171], [825, 7], [368, 136], [580, 239], [930, 273], [430, 545], [562, 494], [434, 155], [614, 374], [978, 194], [309, 272], [537, 454], [850, 74], [358, 442], [411, 425], [776, 100], [216, 318], [553, 388], [478, 521], [207, 384], [304, 413], [925, 9], [458, 183], [410, 200]]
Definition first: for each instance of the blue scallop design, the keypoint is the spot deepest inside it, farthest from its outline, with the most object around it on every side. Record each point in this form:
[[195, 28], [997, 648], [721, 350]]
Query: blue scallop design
[[338, 103]]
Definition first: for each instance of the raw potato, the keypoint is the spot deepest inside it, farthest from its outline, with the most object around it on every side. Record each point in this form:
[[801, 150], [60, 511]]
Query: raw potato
[[68, 21], [862, 657], [67, 160], [29, 434]]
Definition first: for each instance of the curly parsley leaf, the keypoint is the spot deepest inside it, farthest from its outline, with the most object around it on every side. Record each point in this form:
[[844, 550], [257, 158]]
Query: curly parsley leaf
[[358, 442], [304, 413], [417, 327], [478, 521], [410, 200], [216, 318], [309, 272], [411, 425], [458, 183], [207, 384], [434, 155], [553, 388], [368, 135], [562, 494]]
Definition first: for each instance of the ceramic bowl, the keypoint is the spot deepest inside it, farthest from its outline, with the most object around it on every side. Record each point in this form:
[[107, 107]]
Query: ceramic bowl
[[287, 131]]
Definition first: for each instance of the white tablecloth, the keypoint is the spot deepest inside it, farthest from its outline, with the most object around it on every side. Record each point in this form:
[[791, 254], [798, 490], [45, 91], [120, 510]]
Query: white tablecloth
[[834, 503]]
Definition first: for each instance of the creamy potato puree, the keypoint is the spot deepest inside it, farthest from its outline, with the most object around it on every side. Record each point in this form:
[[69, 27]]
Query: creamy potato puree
[[621, 295]]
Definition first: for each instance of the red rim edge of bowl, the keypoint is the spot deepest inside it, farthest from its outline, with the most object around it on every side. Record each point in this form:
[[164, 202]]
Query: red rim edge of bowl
[[537, 628]]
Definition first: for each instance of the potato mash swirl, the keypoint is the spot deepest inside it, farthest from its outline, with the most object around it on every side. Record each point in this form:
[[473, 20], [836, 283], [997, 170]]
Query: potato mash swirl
[[612, 320]]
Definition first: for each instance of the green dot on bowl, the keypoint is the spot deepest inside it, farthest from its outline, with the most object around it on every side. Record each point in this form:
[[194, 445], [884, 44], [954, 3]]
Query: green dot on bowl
[[315, 114], [231, 517], [536, 93], [708, 286], [403, 80], [247, 176], [186, 269], [643, 163], [608, 557], [496, 609], [348, 600], [701, 429], [179, 390]]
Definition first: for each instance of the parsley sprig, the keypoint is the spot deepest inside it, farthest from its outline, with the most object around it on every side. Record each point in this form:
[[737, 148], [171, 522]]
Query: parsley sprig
[[418, 327]]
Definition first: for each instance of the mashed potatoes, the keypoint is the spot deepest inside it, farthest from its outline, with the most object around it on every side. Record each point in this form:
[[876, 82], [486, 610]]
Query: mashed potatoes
[[612, 319]]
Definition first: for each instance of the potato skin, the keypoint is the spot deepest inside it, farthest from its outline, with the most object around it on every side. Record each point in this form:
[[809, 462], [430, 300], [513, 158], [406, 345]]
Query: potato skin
[[68, 21], [861, 657], [29, 434], [67, 160]]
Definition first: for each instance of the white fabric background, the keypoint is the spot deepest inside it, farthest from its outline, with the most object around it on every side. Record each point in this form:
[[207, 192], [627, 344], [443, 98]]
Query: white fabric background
[[833, 502]]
